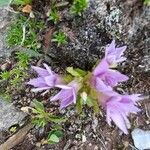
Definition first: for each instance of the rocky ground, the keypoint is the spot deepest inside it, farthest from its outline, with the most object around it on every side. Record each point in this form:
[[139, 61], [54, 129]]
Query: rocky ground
[[104, 20]]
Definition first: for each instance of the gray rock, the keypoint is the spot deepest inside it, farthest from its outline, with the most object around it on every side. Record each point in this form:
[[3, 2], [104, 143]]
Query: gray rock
[[10, 116], [141, 139], [4, 21]]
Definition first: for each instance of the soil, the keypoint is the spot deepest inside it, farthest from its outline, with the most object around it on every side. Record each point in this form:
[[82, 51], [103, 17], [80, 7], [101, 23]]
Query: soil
[[128, 23]]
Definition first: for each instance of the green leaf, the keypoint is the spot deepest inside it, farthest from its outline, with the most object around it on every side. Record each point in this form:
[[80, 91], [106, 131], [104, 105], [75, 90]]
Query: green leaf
[[21, 2], [89, 101], [79, 105], [39, 122], [38, 104], [4, 3], [81, 72], [58, 133], [54, 138], [93, 103], [73, 72], [96, 108], [68, 78], [57, 119], [76, 72], [93, 93]]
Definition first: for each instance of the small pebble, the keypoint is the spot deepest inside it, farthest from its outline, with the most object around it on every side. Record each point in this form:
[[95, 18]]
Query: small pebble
[[5, 66]]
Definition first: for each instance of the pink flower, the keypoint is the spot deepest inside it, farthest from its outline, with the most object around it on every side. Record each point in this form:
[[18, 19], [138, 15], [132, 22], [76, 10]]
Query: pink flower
[[46, 79], [68, 94], [118, 107], [113, 55], [103, 78]]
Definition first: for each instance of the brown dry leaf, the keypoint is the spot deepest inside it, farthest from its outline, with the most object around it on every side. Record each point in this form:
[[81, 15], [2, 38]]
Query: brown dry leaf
[[47, 38], [69, 33], [27, 9]]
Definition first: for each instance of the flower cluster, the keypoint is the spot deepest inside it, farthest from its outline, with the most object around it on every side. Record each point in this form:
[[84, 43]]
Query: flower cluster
[[102, 79]]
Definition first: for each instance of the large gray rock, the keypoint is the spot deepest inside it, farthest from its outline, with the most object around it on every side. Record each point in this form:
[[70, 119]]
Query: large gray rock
[[10, 116]]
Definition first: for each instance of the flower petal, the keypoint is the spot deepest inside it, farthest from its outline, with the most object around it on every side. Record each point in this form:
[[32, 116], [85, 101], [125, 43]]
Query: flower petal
[[66, 102], [41, 72], [37, 82], [101, 67], [101, 86], [119, 121], [121, 59], [120, 51], [113, 77], [63, 94], [110, 48], [48, 69], [50, 80], [40, 89], [64, 87]]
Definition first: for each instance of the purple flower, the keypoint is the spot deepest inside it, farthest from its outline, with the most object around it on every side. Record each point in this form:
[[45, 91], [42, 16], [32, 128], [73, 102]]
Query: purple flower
[[46, 79], [118, 107], [68, 94], [113, 55], [103, 78]]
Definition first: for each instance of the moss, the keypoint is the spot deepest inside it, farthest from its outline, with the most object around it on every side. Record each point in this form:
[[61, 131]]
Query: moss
[[32, 28]]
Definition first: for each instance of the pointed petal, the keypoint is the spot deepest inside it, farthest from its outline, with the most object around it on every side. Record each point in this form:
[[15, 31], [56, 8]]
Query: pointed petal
[[121, 59], [37, 82], [63, 94], [101, 67], [48, 69], [66, 102], [113, 77], [110, 49], [41, 72], [56, 97], [119, 121], [135, 97], [63, 87], [40, 89], [120, 51]]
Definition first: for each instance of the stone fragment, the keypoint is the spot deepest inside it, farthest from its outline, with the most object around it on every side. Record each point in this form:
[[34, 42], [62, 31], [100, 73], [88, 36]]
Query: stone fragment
[[10, 116], [141, 139]]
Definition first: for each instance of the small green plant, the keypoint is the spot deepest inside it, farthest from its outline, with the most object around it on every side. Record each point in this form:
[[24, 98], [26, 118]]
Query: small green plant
[[15, 33], [60, 38], [13, 129], [16, 76], [41, 117], [54, 15], [79, 6], [21, 2], [23, 59], [54, 136], [5, 75], [18, 73]]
